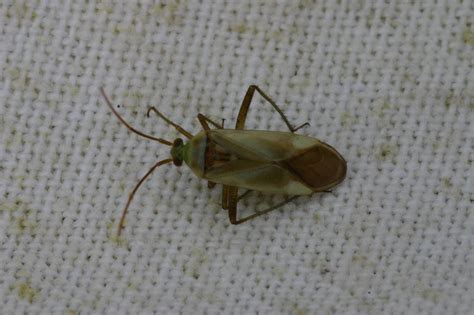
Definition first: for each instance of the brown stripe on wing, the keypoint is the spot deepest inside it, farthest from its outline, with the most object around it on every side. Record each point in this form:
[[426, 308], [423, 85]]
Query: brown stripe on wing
[[215, 156]]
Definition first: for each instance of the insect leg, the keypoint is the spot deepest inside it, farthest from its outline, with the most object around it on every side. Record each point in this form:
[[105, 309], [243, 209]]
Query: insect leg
[[205, 120], [233, 210], [246, 104], [243, 195], [301, 126], [225, 197], [187, 134]]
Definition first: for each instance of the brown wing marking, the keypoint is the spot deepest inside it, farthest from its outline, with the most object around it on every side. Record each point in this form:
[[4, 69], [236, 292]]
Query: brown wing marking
[[320, 167]]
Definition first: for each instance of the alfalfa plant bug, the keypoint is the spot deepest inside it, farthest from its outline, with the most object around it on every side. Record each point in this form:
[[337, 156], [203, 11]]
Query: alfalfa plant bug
[[266, 161]]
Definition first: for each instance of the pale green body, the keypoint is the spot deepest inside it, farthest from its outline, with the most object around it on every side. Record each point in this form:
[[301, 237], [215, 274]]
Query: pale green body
[[267, 161]]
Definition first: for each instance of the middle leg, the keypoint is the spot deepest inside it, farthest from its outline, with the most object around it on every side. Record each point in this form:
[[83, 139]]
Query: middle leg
[[244, 108]]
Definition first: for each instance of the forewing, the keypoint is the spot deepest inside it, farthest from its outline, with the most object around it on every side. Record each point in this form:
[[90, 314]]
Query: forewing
[[262, 146], [255, 175]]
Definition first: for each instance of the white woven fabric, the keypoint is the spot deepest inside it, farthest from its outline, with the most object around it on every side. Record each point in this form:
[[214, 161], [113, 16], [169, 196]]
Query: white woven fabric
[[390, 84]]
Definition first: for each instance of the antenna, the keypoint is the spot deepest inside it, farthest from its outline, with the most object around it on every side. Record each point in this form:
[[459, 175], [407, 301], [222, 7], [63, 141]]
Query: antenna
[[109, 103]]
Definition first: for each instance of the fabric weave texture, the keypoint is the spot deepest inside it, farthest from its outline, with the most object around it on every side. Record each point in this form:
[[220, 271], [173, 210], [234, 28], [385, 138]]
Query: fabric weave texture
[[389, 84]]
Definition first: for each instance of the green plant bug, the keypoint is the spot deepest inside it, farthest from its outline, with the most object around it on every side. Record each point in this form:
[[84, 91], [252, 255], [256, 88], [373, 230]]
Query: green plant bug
[[257, 160]]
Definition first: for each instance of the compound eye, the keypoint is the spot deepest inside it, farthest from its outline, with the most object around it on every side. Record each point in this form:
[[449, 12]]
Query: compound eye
[[177, 162], [178, 142], [176, 152]]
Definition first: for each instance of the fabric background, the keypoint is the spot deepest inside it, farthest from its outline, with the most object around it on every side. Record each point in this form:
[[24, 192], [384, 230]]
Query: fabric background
[[388, 83]]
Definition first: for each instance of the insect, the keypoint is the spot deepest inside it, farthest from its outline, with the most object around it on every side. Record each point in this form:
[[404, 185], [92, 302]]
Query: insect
[[257, 160]]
